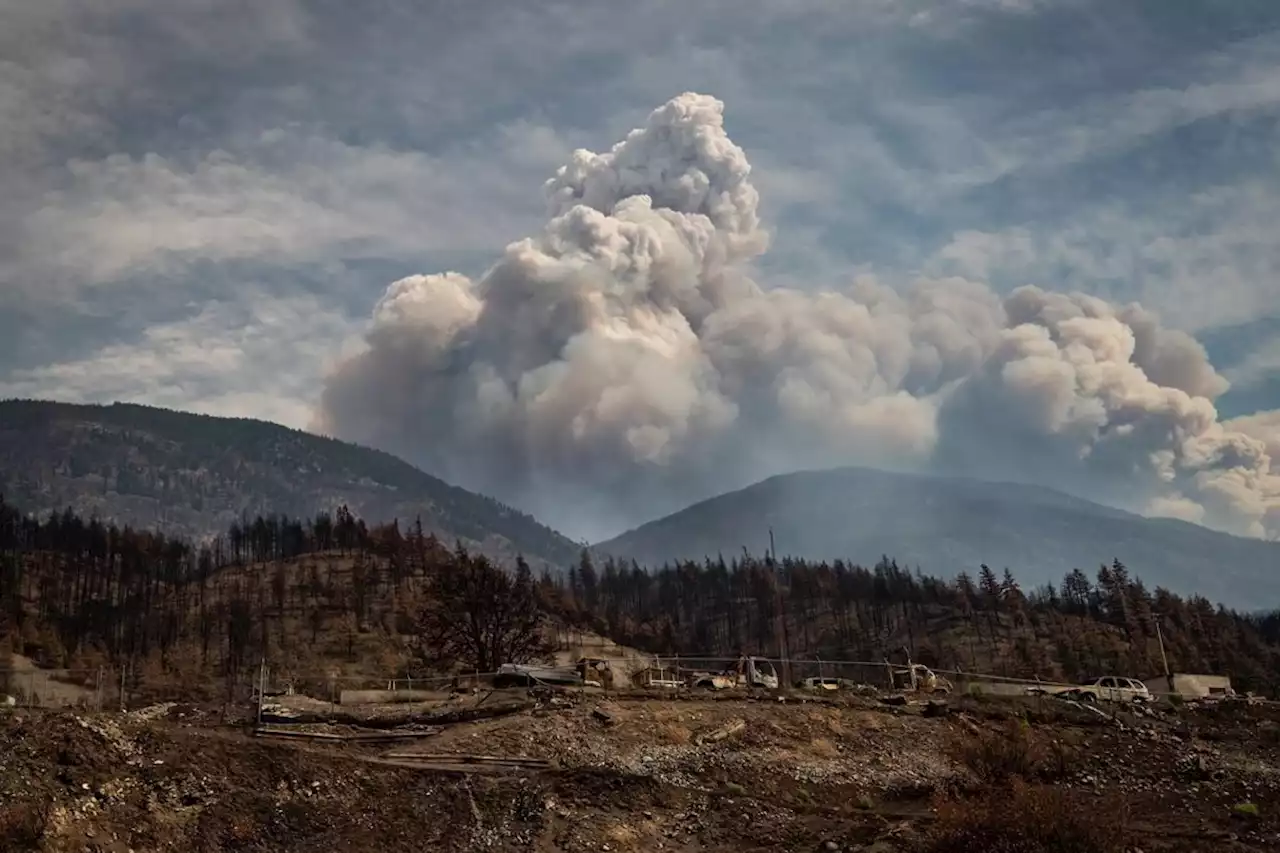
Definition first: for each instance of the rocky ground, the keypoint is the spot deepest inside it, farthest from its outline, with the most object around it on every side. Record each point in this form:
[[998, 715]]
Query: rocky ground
[[632, 774]]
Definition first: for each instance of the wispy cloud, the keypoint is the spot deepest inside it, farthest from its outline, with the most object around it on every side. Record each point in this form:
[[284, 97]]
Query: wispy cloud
[[262, 360], [289, 199], [1259, 367], [1202, 259]]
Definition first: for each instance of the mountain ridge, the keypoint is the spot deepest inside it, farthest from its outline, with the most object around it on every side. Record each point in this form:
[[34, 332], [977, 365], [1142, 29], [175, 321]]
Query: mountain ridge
[[193, 475], [948, 524]]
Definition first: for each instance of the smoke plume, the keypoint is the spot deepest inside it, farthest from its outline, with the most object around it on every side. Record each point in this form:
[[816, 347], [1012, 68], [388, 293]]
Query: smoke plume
[[623, 363]]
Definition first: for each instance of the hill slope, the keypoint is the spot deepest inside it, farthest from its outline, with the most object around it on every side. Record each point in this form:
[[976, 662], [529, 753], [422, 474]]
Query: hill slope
[[945, 525], [193, 475]]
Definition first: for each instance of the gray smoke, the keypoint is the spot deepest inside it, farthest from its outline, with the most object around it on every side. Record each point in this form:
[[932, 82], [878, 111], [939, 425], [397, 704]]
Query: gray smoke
[[622, 363]]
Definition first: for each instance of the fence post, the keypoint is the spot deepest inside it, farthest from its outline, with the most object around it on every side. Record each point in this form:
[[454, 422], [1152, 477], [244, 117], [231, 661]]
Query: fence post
[[262, 686], [31, 689], [124, 668], [97, 692]]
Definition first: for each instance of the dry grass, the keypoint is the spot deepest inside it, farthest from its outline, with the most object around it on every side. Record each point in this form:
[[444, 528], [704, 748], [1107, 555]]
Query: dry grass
[[671, 732], [621, 834], [1027, 819], [823, 748]]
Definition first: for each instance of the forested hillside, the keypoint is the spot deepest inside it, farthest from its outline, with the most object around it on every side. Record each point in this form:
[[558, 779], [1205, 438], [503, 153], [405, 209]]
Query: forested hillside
[[194, 475], [332, 593], [982, 621], [947, 524]]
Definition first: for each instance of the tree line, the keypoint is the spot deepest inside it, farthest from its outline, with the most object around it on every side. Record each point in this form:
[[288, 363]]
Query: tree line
[[75, 590], [1084, 626], [77, 593]]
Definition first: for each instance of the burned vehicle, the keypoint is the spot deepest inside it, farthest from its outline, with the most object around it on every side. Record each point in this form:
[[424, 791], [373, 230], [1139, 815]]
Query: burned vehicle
[[747, 671], [919, 678], [587, 672]]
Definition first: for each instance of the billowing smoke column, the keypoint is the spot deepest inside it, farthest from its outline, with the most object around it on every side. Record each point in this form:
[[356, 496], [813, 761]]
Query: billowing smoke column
[[622, 364]]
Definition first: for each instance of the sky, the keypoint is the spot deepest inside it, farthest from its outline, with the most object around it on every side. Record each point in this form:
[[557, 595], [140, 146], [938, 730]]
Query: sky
[[201, 203]]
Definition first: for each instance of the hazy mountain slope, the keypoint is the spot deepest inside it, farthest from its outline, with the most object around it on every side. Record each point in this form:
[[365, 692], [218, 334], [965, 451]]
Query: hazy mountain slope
[[193, 475], [944, 525]]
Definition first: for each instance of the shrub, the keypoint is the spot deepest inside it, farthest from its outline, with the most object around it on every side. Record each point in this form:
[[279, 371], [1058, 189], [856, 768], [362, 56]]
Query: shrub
[[21, 826], [1014, 751], [1027, 819], [1249, 810]]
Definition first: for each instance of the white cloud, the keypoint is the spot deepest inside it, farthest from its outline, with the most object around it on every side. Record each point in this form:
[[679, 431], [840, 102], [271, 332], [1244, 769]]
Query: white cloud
[[258, 360], [1258, 367], [288, 198], [1209, 260], [1055, 137]]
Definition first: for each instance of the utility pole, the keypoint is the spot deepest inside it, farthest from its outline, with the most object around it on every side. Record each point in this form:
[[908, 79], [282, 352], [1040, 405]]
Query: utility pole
[[782, 616], [1168, 677], [1160, 636]]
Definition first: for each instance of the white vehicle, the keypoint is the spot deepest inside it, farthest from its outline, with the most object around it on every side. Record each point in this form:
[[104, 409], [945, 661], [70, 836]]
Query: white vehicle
[[1108, 688]]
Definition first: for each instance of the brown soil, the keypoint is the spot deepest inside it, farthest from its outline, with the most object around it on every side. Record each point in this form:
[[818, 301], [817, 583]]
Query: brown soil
[[628, 775]]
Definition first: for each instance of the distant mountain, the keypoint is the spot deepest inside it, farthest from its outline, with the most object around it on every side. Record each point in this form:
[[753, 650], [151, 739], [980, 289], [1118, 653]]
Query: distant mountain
[[194, 475], [945, 525]]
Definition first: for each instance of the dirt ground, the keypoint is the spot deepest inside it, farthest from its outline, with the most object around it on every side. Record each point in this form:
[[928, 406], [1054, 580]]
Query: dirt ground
[[625, 774]]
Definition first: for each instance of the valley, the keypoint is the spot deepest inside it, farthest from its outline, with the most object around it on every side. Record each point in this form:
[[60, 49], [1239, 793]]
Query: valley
[[175, 693]]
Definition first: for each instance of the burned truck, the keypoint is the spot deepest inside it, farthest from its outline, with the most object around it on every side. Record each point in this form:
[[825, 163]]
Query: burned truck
[[746, 672]]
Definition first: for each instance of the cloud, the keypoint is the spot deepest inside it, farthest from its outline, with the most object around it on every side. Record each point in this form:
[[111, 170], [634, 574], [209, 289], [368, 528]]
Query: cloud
[[291, 198], [1207, 258], [1257, 368], [622, 359], [1054, 137], [258, 360]]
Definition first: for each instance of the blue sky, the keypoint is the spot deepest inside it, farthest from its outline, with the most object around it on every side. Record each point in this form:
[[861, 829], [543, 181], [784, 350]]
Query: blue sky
[[200, 201]]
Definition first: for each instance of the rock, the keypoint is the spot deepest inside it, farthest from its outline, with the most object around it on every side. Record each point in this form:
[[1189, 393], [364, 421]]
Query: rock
[[935, 708]]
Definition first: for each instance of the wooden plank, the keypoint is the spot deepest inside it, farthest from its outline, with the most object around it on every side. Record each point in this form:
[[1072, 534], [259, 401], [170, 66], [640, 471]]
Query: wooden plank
[[434, 767], [378, 737], [352, 737], [469, 759], [284, 733], [732, 728]]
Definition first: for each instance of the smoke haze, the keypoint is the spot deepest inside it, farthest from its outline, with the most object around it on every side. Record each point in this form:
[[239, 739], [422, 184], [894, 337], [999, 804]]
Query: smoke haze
[[622, 364]]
